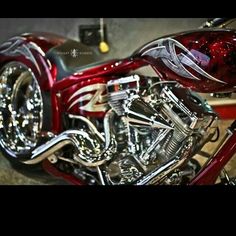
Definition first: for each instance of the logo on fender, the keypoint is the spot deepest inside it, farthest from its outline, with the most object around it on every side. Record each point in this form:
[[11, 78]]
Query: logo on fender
[[93, 95]]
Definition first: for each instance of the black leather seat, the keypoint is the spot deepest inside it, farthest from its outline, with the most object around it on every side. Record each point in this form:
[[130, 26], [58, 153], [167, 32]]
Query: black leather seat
[[70, 57]]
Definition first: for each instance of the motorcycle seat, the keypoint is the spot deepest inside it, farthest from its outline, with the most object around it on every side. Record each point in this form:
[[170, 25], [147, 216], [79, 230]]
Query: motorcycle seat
[[70, 57]]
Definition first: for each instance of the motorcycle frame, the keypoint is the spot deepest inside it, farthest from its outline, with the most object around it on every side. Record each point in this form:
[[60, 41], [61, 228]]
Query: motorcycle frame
[[208, 174], [46, 72]]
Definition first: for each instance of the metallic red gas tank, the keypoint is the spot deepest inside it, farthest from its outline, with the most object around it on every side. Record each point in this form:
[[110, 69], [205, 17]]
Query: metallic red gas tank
[[204, 60]]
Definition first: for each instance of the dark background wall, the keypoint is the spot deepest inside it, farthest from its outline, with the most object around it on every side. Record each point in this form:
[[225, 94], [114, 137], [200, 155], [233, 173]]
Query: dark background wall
[[124, 34]]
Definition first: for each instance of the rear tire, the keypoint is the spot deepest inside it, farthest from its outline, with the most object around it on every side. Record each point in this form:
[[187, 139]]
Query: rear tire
[[24, 113]]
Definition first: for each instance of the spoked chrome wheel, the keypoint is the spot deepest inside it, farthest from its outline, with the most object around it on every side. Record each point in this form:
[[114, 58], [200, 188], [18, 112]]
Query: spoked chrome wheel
[[21, 109]]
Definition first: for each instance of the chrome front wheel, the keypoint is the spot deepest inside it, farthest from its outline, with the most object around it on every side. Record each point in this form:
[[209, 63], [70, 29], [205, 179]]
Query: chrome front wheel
[[21, 110]]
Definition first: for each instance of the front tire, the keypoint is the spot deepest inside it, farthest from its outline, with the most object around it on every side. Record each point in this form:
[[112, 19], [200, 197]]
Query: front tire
[[22, 115]]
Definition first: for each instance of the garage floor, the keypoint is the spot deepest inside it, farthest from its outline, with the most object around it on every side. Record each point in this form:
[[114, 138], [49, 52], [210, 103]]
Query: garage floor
[[10, 176]]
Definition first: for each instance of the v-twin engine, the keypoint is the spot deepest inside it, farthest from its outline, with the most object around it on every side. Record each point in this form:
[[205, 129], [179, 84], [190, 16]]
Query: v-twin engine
[[152, 130], [158, 127]]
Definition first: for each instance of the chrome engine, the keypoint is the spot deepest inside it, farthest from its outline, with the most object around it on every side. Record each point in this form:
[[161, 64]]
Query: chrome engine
[[158, 127], [152, 129]]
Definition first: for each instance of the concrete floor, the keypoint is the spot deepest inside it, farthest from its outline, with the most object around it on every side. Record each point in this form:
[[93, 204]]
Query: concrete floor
[[125, 36], [12, 176]]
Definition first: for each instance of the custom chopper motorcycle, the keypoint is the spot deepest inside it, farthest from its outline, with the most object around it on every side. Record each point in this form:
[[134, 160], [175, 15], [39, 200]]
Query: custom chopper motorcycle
[[103, 123]]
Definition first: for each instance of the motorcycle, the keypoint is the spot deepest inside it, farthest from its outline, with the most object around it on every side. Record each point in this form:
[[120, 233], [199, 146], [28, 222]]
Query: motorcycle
[[103, 123]]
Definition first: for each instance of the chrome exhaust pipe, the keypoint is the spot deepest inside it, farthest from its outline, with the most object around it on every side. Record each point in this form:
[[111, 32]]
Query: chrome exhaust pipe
[[49, 148], [92, 155]]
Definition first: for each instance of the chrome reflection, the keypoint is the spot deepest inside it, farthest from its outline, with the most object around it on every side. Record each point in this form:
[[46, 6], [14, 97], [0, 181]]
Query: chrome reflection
[[21, 109]]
